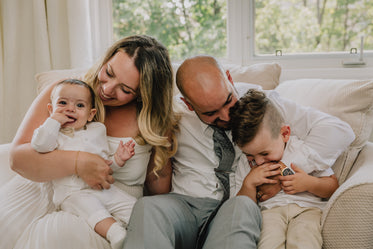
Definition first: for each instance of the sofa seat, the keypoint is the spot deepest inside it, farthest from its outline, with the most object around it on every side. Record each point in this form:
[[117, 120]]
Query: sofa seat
[[347, 219]]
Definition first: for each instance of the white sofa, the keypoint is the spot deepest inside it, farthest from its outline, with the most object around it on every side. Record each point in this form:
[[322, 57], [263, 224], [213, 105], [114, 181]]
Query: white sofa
[[348, 217]]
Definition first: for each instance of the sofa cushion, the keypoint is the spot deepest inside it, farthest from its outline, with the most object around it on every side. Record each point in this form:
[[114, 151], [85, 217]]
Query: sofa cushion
[[267, 75], [350, 100], [48, 77]]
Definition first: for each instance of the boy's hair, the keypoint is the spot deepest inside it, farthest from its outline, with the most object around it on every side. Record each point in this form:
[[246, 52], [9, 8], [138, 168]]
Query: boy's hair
[[250, 113], [79, 83]]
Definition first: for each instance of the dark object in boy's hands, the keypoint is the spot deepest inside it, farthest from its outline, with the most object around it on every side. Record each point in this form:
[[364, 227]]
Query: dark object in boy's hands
[[285, 170]]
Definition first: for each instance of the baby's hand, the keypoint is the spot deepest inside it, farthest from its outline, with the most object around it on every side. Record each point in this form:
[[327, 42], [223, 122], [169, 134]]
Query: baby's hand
[[124, 152], [59, 116]]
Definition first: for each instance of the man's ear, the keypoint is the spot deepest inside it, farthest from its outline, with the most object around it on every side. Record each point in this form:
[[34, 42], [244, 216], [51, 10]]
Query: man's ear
[[92, 114], [190, 107], [285, 133], [229, 76], [50, 108]]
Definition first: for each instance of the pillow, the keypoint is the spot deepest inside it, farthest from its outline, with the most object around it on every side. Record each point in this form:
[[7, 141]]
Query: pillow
[[45, 78], [349, 100], [267, 75]]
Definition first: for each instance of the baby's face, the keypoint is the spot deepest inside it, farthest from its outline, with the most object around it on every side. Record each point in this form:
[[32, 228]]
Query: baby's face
[[73, 101], [264, 148]]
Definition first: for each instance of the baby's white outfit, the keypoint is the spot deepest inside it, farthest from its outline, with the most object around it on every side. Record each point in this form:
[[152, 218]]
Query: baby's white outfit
[[71, 193]]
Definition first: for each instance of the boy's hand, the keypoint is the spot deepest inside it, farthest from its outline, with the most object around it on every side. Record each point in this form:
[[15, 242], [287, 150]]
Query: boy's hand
[[292, 184], [263, 174], [124, 152], [268, 190], [257, 176]]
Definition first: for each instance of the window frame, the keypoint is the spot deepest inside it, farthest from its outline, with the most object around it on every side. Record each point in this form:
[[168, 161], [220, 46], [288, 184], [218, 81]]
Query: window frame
[[241, 43]]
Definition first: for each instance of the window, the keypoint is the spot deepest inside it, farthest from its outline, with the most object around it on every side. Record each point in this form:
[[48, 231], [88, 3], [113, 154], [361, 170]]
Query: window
[[185, 27], [312, 26], [245, 31]]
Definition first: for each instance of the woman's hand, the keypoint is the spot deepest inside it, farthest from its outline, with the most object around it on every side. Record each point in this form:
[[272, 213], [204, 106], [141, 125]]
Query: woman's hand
[[94, 170]]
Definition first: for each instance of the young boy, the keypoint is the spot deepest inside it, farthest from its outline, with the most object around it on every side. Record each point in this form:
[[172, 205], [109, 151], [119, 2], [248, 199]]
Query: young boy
[[291, 219], [69, 127]]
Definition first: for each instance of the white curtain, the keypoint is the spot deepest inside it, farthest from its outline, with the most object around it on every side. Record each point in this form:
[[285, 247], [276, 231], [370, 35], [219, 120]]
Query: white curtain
[[42, 35]]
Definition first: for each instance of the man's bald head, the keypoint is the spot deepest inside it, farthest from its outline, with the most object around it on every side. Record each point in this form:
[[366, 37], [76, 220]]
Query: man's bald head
[[200, 72], [207, 90]]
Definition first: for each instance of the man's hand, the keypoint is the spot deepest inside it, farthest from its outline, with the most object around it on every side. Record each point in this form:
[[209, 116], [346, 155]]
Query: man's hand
[[266, 191]]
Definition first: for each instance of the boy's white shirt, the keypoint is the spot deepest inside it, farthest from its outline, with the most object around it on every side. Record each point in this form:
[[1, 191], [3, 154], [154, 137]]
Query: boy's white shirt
[[304, 199]]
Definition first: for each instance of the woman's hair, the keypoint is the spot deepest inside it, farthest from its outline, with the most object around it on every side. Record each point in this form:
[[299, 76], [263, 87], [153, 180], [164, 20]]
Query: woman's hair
[[155, 115], [95, 101], [250, 113]]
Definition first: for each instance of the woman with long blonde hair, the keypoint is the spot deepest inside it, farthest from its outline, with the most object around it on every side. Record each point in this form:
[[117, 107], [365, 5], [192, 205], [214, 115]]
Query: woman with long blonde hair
[[134, 82]]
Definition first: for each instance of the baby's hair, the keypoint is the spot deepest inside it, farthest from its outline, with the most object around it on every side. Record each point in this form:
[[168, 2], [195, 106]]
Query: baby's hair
[[250, 113], [78, 83]]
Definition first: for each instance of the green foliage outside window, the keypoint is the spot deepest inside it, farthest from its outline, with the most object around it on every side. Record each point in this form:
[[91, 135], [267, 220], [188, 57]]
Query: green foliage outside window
[[185, 27], [191, 27], [297, 26]]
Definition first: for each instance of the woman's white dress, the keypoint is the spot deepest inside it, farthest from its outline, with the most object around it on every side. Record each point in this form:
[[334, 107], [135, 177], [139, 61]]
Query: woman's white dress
[[29, 220]]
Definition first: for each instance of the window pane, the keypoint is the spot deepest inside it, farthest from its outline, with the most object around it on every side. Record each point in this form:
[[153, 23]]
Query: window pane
[[185, 27], [301, 26]]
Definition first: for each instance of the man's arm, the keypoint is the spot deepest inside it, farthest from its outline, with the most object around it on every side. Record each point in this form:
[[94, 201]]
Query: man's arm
[[324, 136], [269, 190]]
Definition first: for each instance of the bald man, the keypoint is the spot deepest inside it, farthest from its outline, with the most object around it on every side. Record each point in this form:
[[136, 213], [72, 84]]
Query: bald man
[[175, 220]]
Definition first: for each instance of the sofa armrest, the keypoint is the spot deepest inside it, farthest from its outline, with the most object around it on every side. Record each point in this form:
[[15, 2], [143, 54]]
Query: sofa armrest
[[348, 216], [5, 172]]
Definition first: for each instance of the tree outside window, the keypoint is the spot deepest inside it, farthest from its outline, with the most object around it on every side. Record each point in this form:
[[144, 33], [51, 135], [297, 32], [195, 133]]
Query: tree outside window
[[191, 27], [304, 26], [185, 27]]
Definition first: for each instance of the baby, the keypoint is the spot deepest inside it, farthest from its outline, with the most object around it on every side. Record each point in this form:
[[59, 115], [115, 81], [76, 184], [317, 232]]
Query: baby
[[69, 127]]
